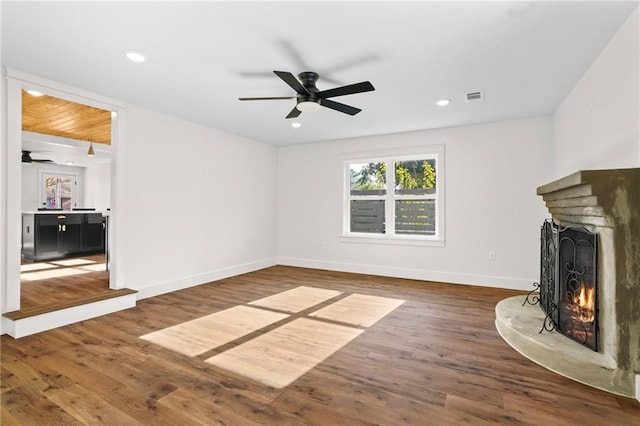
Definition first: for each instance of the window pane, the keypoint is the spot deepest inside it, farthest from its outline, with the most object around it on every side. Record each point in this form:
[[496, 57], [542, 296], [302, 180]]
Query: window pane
[[367, 216], [58, 191], [368, 179], [415, 177], [416, 217]]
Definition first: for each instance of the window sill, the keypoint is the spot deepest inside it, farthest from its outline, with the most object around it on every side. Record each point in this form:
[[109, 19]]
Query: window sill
[[396, 240]]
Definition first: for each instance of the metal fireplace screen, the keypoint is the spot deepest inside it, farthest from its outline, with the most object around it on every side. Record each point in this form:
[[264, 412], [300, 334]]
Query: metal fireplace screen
[[568, 290]]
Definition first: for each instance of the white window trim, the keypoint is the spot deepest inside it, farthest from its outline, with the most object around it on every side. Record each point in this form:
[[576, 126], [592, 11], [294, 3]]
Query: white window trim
[[390, 155]]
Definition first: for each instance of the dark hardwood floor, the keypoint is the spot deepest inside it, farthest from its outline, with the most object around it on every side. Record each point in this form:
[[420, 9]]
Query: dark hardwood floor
[[435, 360], [85, 281]]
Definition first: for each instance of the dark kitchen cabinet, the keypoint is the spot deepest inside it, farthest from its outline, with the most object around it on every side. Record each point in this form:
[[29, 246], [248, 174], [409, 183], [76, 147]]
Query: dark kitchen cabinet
[[70, 233], [58, 235], [94, 232], [46, 239]]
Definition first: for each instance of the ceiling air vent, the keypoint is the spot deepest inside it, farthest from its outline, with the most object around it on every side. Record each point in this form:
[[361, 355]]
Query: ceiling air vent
[[475, 96]]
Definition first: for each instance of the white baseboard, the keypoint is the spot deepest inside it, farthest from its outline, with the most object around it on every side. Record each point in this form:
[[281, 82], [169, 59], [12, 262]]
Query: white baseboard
[[415, 274], [198, 279]]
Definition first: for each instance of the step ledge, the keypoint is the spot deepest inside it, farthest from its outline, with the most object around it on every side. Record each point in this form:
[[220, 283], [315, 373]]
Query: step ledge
[[28, 325], [38, 310]]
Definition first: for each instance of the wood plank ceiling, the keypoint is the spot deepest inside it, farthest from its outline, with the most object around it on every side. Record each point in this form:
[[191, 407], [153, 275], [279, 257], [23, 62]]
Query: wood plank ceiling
[[58, 117]]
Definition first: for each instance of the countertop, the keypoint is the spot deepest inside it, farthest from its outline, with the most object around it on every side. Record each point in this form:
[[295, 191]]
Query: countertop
[[65, 212]]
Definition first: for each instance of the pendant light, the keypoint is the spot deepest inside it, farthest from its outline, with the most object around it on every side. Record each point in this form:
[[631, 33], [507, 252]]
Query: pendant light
[[91, 152]]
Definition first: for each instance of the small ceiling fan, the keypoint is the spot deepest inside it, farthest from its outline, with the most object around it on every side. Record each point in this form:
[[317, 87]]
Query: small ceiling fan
[[309, 98], [26, 158]]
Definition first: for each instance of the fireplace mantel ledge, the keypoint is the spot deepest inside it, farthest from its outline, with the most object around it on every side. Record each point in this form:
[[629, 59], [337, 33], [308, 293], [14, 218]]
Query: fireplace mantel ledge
[[586, 197], [519, 326]]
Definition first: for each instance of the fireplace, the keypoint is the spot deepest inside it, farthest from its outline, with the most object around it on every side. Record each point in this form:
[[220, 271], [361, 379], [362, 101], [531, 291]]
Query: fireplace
[[577, 313], [589, 288], [568, 282]]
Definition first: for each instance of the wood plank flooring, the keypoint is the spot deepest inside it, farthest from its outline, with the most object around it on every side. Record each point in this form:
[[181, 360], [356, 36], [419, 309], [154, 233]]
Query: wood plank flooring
[[51, 292], [435, 359]]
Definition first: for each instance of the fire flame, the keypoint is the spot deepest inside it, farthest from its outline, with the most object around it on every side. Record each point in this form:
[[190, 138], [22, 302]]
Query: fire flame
[[584, 304]]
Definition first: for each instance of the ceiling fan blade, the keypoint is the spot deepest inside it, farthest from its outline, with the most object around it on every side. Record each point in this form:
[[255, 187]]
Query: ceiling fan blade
[[347, 109], [26, 158], [292, 81], [365, 86], [266, 99], [294, 113]]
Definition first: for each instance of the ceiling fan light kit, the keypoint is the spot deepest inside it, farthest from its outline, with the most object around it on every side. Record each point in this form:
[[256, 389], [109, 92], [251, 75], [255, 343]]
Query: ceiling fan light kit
[[308, 106], [309, 98]]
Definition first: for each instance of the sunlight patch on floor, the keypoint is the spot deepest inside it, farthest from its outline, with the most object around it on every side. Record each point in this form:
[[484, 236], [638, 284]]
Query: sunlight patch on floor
[[297, 299], [279, 357], [30, 267], [359, 309], [72, 262], [200, 335], [51, 273], [59, 268]]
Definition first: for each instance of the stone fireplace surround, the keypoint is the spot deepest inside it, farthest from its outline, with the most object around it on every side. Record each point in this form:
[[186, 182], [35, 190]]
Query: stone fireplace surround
[[606, 202]]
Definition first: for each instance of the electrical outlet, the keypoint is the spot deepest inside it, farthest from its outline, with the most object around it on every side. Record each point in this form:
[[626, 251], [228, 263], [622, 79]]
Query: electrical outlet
[[325, 245], [492, 255]]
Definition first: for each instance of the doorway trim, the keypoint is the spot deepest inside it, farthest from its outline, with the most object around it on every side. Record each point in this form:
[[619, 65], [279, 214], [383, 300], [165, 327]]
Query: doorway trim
[[16, 81]]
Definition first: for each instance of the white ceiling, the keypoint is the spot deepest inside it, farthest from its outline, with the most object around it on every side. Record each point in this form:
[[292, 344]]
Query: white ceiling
[[202, 56]]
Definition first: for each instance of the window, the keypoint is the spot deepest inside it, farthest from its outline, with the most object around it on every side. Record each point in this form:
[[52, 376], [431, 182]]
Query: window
[[395, 197], [58, 191]]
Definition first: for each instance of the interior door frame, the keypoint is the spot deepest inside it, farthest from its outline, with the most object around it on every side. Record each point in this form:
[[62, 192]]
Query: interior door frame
[[15, 82]]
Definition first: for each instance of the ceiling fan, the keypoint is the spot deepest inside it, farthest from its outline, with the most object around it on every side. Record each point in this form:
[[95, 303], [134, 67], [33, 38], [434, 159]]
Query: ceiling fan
[[26, 158], [309, 98]]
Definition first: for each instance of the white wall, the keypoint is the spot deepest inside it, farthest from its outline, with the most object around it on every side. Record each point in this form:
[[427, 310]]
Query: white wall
[[492, 171], [97, 187], [598, 124], [200, 203]]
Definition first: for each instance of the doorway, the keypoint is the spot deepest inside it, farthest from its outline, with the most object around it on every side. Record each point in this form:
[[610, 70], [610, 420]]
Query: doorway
[[64, 202], [83, 271]]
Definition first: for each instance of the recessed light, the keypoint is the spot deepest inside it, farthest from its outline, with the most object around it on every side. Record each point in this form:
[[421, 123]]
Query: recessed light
[[296, 125], [134, 56], [443, 102], [34, 92]]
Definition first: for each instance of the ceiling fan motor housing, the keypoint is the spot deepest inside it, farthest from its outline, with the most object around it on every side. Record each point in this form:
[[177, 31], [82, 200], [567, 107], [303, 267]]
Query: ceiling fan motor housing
[[308, 80]]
